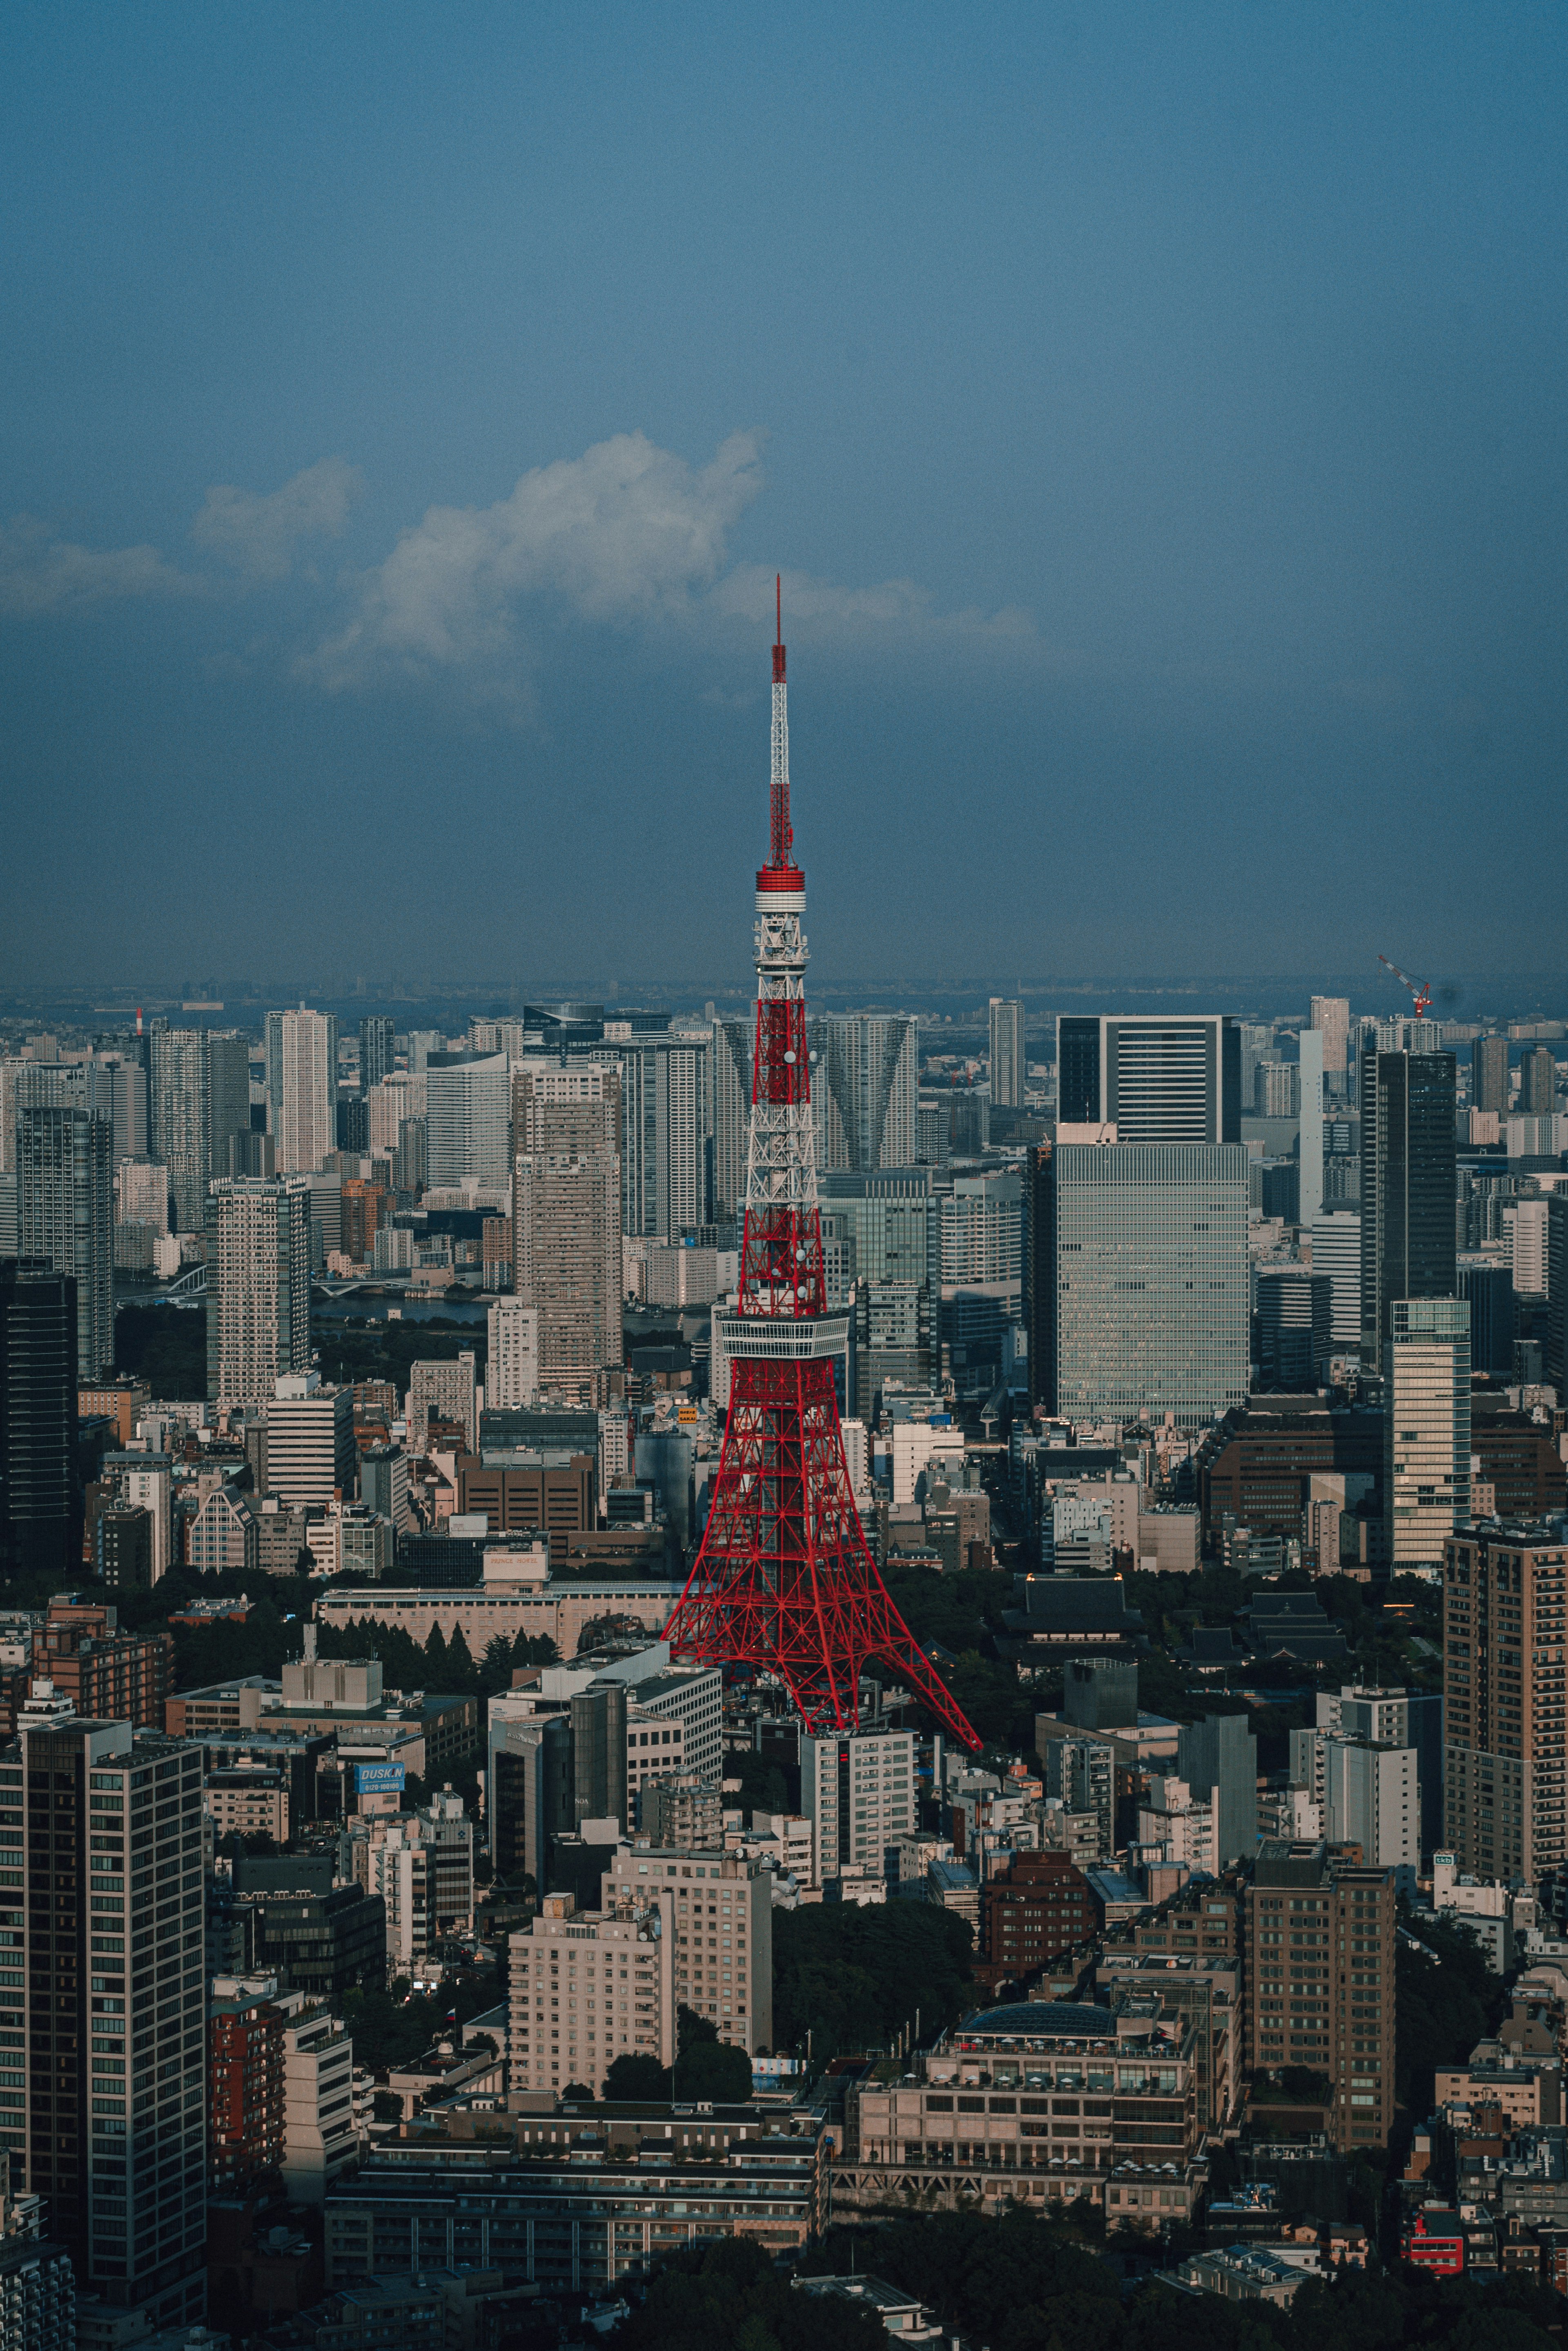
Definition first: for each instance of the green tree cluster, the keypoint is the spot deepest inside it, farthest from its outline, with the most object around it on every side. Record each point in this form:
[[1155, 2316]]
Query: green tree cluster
[[389, 2030], [1442, 2006], [730, 2294], [167, 1347], [704, 2067], [853, 1977], [379, 1349]]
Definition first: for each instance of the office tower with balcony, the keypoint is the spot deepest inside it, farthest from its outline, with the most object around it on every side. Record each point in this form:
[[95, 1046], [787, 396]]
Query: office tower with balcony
[[1152, 1294], [1175, 1080], [1330, 1016], [1320, 1981], [1426, 1430], [1007, 1064], [376, 1040], [114, 2129], [566, 1219], [41, 1503], [302, 1087], [1538, 1082], [180, 1119], [863, 1089], [1489, 1073], [1505, 1777], [258, 1286], [64, 1216], [1408, 1187]]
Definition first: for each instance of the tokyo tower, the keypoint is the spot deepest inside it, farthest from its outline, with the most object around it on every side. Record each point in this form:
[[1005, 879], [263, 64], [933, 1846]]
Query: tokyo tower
[[783, 1580]]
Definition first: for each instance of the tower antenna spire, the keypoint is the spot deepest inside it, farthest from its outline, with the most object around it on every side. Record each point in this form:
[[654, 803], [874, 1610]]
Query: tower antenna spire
[[781, 833]]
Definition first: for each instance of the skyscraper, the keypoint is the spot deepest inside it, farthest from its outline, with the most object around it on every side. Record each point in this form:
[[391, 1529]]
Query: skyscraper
[[1538, 1082], [1505, 1779], [1330, 1016], [258, 1286], [1407, 1168], [1308, 1139], [731, 1099], [302, 1086], [376, 1038], [181, 1120], [468, 1113], [1176, 1079], [40, 1507], [566, 1219], [114, 2133], [229, 1100], [666, 1124], [1007, 1065], [64, 1216], [1218, 1758], [1426, 1428], [1336, 1252], [863, 1089], [1040, 1274], [1489, 1073], [1151, 1308]]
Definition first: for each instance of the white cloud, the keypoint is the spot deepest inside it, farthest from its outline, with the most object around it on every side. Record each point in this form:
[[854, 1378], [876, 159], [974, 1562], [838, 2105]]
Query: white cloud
[[40, 574], [258, 533], [626, 530]]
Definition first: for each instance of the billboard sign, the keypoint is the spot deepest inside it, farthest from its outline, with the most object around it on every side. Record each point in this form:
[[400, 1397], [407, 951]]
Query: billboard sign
[[379, 1779]]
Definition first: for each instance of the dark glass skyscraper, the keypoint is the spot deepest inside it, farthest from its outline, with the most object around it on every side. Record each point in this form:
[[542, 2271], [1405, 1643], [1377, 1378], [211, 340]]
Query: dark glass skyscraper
[[1407, 1183], [40, 1509]]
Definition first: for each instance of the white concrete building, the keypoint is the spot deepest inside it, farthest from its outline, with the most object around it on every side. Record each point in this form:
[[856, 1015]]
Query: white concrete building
[[443, 1391], [512, 1369], [258, 1286], [721, 1913], [1524, 1221], [302, 1079], [1180, 1823], [422, 1864], [310, 1452], [587, 1987], [318, 2097], [858, 1794]]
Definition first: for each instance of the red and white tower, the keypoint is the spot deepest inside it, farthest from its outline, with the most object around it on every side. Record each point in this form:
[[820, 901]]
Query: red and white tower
[[784, 1580]]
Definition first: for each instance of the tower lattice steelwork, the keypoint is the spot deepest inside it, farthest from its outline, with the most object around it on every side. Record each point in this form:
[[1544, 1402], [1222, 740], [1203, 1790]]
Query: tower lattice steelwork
[[783, 1580]]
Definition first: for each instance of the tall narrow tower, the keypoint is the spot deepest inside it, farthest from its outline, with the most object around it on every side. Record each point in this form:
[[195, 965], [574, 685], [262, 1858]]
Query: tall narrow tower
[[784, 1580]]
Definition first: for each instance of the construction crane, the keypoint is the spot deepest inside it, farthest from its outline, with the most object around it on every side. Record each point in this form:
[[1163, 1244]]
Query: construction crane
[[1419, 989]]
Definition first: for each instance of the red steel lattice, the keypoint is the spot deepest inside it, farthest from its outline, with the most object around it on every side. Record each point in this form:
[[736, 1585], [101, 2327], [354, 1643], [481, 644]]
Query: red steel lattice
[[783, 1580]]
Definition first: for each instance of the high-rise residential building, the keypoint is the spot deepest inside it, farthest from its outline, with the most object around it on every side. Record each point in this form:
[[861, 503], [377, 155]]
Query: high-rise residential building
[[1310, 1137], [1524, 1222], [377, 1038], [1505, 1785], [1176, 1079], [420, 1863], [1408, 1185], [1557, 1291], [722, 1908], [1336, 1252], [1152, 1298], [857, 1790], [1007, 1064], [1394, 1718], [1330, 1016], [41, 1503], [566, 1219], [258, 1286], [244, 2073], [981, 1290], [1218, 1758], [142, 1194], [590, 1986], [180, 1119], [467, 1117], [302, 1087], [1538, 1082], [512, 1361], [1320, 1981], [394, 1099], [228, 1100], [864, 1089], [1489, 1073], [666, 1124], [732, 1048], [64, 1216], [1369, 1791], [114, 2134], [1426, 1429], [310, 1450]]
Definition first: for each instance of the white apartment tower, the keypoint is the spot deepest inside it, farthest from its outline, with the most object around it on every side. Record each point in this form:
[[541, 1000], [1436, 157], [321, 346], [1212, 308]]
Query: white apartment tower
[[566, 1220], [258, 1286], [302, 1080], [512, 1365], [1426, 1430], [858, 1794]]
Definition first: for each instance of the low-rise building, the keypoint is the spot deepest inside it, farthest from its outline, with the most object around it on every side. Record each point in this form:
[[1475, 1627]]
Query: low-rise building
[[245, 1801], [1042, 2101], [1243, 2274]]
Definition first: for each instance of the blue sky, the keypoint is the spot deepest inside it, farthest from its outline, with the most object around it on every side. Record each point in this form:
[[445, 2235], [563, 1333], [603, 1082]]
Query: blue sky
[[1157, 415]]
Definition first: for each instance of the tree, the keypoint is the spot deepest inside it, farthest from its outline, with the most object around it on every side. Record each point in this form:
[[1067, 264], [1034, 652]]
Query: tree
[[534, 1649], [579, 2091], [729, 2294], [461, 1673], [436, 1665], [853, 1977], [495, 1667], [636, 2078], [715, 2070]]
